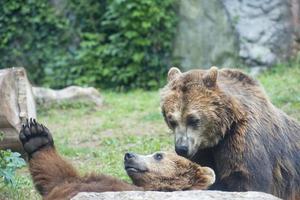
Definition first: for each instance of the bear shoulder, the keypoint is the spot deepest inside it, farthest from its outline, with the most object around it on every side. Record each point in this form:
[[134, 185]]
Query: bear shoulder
[[236, 74]]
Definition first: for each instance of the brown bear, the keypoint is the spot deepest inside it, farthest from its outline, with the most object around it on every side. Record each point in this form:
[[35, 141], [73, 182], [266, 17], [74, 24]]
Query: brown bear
[[224, 120], [55, 178]]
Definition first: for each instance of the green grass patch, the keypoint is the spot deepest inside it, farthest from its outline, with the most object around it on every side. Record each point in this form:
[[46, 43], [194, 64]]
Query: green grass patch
[[282, 84]]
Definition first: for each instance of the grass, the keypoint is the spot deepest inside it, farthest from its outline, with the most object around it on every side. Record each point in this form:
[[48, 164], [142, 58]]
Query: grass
[[282, 84], [96, 139]]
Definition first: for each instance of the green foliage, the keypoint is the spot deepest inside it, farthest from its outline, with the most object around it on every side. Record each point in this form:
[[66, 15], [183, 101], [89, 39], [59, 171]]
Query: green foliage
[[106, 43], [139, 41], [9, 163], [31, 34], [22, 183]]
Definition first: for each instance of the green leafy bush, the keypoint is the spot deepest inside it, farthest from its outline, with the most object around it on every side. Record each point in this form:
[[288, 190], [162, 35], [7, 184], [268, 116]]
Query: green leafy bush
[[105, 43], [9, 163], [139, 43], [31, 34]]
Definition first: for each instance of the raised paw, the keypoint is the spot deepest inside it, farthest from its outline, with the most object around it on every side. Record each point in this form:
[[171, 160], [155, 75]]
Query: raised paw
[[35, 136]]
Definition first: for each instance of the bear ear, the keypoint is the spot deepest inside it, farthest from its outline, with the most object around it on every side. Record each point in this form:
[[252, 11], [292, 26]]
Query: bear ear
[[205, 177], [173, 73], [210, 79]]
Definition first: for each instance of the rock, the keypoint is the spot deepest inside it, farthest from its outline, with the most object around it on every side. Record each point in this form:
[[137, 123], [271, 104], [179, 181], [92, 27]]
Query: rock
[[204, 36], [258, 33], [72, 93], [180, 195], [264, 28], [16, 104]]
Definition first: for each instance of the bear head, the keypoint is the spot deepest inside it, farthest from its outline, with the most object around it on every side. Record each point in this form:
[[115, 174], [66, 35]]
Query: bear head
[[197, 111], [166, 171]]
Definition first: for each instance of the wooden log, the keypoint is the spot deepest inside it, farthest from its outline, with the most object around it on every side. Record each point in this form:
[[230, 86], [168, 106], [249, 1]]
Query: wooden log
[[16, 104]]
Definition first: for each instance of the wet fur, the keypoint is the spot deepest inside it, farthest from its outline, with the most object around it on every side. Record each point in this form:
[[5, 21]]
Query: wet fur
[[175, 173], [55, 178], [259, 147]]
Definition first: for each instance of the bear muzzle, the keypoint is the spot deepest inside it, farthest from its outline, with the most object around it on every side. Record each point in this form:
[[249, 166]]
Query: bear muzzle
[[133, 164]]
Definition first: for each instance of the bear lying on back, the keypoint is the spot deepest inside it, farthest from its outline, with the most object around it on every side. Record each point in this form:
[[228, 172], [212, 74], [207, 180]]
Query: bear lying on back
[[55, 178]]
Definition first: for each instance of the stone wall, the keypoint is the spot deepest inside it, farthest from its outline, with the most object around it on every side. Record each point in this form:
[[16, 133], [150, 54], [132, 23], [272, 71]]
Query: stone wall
[[205, 36], [256, 33]]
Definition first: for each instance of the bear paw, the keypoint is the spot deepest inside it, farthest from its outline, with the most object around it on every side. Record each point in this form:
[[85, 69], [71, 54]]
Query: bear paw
[[35, 136]]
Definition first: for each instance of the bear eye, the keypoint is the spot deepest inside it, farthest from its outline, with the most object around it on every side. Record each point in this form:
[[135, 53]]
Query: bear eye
[[173, 123], [158, 156], [170, 120], [192, 121]]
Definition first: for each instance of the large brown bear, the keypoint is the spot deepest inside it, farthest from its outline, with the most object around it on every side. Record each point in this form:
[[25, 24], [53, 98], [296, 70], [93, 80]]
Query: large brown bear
[[56, 179], [224, 120]]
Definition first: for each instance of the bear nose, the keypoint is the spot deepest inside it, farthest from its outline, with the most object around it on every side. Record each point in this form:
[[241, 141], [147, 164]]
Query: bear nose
[[181, 150], [129, 156]]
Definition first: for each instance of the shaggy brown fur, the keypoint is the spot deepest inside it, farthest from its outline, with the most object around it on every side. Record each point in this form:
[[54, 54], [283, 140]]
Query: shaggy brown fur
[[57, 179], [224, 120], [165, 171]]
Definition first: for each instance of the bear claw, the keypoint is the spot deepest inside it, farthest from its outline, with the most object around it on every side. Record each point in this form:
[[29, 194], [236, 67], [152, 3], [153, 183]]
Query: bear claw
[[35, 136]]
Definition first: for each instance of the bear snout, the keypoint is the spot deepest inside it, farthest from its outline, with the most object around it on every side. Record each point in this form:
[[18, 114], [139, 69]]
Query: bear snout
[[182, 150], [129, 156]]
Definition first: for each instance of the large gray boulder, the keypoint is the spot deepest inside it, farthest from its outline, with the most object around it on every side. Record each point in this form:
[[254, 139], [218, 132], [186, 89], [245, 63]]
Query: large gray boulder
[[264, 28], [181, 195], [16, 104], [205, 36], [257, 33]]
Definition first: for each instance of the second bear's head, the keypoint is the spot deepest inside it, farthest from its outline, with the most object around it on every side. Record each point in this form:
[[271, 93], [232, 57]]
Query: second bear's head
[[165, 171]]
